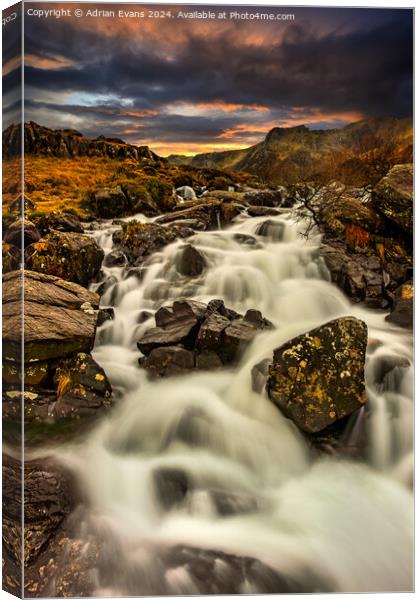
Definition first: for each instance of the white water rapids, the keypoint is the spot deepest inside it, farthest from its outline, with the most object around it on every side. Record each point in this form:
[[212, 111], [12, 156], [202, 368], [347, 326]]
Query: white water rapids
[[347, 521]]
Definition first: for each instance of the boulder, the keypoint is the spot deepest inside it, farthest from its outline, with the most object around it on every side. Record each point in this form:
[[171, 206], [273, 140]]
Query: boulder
[[22, 230], [192, 335], [105, 314], [191, 262], [108, 203], [59, 318], [317, 378], [71, 256], [116, 258], [393, 197], [271, 229], [139, 240], [402, 312], [176, 326], [81, 389], [171, 486], [64, 221], [170, 360]]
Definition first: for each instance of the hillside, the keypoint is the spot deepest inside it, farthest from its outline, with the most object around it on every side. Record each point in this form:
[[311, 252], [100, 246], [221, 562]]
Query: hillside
[[300, 146]]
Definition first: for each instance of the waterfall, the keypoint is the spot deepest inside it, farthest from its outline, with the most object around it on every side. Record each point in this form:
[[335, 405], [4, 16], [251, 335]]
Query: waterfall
[[348, 521]]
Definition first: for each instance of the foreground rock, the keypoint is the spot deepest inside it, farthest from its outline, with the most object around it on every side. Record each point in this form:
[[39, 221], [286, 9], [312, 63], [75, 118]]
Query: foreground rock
[[393, 196], [317, 378], [63, 384], [192, 335], [68, 255], [137, 240]]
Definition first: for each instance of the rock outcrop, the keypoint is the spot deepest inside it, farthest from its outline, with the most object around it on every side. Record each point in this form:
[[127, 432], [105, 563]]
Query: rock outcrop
[[69, 143], [317, 378], [192, 335]]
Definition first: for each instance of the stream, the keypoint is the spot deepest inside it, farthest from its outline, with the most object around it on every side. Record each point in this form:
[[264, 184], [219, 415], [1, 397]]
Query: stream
[[336, 523]]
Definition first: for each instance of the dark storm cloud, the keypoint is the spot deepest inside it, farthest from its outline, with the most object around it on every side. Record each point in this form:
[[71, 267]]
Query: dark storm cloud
[[360, 66]]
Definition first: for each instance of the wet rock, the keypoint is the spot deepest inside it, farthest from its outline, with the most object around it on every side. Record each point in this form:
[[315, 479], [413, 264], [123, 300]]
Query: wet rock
[[215, 572], [212, 335], [402, 312], [231, 503], [171, 486], [105, 314], [176, 326], [116, 258], [11, 257], [270, 198], [82, 389], [71, 256], [393, 196], [139, 240], [262, 211], [59, 319], [22, 230], [271, 229], [317, 378], [212, 212], [389, 371], [191, 262], [259, 375], [165, 361], [246, 240]]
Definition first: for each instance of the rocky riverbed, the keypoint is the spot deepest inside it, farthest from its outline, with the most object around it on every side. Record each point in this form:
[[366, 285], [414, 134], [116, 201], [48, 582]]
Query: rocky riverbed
[[214, 399]]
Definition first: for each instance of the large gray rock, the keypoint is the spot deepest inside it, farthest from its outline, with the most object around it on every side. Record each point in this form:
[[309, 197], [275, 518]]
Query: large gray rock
[[317, 378]]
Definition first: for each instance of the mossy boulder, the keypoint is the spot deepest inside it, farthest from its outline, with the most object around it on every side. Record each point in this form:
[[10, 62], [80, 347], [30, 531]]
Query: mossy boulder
[[317, 378], [393, 196], [22, 230], [11, 257], [72, 256]]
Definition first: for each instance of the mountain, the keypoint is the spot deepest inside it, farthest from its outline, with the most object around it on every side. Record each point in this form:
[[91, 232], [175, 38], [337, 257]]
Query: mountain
[[284, 147], [69, 143]]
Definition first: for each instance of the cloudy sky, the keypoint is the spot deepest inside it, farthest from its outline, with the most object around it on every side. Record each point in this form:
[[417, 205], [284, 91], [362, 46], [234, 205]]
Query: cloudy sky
[[203, 85]]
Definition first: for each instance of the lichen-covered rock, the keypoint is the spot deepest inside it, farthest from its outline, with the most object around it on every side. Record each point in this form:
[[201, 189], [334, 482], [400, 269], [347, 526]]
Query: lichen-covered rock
[[108, 203], [139, 240], [49, 497], [63, 221], [393, 196], [317, 378], [11, 257], [82, 388], [59, 319], [402, 312], [68, 255]]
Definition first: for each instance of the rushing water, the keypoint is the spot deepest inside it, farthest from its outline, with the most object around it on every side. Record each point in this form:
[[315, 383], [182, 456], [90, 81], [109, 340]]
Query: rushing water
[[348, 521]]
